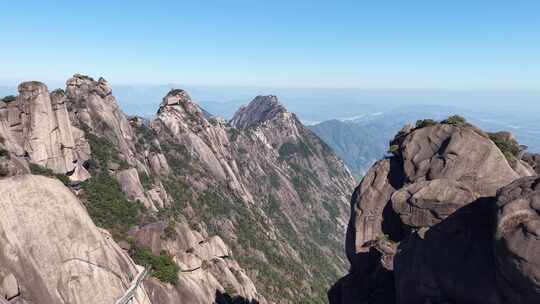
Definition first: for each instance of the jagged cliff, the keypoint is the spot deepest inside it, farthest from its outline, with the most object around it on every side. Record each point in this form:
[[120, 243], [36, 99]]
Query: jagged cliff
[[252, 210], [450, 216]]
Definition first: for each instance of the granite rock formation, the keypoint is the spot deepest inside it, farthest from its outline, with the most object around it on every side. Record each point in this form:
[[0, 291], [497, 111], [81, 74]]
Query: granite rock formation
[[250, 210], [421, 226]]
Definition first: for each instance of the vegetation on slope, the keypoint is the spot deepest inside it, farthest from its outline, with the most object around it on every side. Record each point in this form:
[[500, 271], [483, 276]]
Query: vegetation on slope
[[102, 194], [162, 266], [40, 170], [508, 146]]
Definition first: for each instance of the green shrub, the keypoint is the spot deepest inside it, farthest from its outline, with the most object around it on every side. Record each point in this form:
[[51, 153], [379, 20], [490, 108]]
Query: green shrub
[[40, 170], [147, 180], [59, 92], [394, 149], [384, 238], [169, 233], [233, 134], [86, 77], [275, 181], [175, 92], [289, 149], [425, 123], [455, 120], [510, 148], [8, 99], [108, 206], [162, 266], [102, 195]]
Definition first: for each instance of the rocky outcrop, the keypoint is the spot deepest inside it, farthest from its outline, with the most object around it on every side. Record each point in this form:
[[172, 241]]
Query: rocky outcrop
[[206, 265], [532, 160], [51, 251], [276, 195], [517, 241], [261, 109], [95, 107], [424, 204], [36, 126], [266, 168], [434, 199]]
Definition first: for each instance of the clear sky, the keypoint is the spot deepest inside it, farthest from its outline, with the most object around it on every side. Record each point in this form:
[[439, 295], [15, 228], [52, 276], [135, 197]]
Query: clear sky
[[472, 44]]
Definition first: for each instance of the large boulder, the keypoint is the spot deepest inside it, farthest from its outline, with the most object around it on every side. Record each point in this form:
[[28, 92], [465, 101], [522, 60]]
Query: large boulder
[[52, 251], [433, 199], [426, 203], [517, 241], [206, 265], [459, 153], [36, 126], [533, 160], [369, 206], [451, 262]]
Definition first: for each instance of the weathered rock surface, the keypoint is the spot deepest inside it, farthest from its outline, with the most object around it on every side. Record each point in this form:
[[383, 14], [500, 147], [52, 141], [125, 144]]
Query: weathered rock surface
[[427, 203], [434, 199], [452, 262], [95, 107], [51, 252], [36, 126], [517, 241], [273, 191], [533, 160], [262, 108], [206, 266], [460, 153]]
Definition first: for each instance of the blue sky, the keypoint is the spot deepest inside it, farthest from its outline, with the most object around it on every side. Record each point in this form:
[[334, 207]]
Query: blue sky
[[459, 44]]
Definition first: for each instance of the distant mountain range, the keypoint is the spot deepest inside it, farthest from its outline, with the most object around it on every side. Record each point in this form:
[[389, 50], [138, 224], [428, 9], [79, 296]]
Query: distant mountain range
[[361, 140], [371, 117]]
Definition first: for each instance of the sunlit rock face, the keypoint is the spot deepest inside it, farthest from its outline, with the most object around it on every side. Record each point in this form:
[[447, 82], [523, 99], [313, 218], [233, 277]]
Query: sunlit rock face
[[51, 251], [436, 200], [36, 125], [273, 191]]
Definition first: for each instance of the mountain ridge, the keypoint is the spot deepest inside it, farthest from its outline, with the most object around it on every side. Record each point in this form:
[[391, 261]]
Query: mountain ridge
[[214, 210]]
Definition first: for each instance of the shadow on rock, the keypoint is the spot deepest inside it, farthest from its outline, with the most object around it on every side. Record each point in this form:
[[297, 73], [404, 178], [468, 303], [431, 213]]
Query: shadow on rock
[[224, 298], [452, 262], [368, 282]]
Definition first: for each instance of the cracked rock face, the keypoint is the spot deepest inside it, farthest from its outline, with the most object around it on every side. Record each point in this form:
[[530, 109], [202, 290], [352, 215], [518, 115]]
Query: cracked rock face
[[434, 199], [94, 106], [261, 109], [533, 160], [206, 266], [427, 203], [53, 252], [36, 125], [517, 240], [456, 153]]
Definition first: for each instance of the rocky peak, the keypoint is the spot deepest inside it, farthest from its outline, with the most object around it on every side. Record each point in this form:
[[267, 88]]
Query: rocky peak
[[178, 100], [260, 109], [32, 89], [83, 85]]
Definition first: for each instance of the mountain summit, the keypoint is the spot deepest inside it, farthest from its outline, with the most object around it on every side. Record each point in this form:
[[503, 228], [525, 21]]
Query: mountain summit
[[259, 110]]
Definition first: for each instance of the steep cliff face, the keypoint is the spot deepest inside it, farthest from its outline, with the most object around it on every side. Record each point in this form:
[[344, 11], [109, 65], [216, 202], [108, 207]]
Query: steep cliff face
[[252, 210], [266, 184], [51, 252], [421, 227], [38, 130], [36, 125]]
